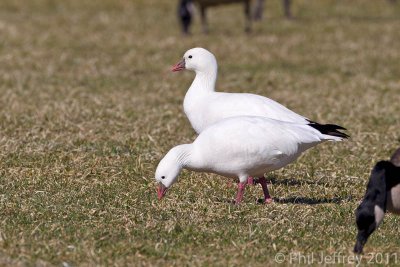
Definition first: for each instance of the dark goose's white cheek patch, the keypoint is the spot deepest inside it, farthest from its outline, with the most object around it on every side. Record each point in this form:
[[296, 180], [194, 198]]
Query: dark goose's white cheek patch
[[393, 201], [379, 213]]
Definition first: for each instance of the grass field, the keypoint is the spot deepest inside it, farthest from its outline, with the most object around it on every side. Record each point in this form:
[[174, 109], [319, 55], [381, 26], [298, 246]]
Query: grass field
[[88, 107]]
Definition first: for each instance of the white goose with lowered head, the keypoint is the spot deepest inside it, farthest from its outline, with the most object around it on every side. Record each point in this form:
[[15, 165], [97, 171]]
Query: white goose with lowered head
[[242, 147]]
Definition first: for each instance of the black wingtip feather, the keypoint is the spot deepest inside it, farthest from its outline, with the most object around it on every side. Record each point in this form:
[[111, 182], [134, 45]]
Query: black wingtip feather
[[329, 129], [338, 127]]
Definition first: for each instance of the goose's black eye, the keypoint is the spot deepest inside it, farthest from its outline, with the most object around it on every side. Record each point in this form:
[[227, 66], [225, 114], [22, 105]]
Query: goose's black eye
[[190, 56], [162, 177]]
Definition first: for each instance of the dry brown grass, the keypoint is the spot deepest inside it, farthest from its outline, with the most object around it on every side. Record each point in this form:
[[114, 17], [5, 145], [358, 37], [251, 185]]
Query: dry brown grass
[[88, 108]]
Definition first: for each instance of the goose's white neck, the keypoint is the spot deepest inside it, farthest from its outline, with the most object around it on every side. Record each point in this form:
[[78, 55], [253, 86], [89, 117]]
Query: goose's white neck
[[182, 155], [196, 97], [187, 158], [204, 81]]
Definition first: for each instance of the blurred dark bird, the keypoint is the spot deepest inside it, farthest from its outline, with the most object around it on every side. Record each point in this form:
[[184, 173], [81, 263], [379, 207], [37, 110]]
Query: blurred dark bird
[[186, 11], [259, 6], [382, 195]]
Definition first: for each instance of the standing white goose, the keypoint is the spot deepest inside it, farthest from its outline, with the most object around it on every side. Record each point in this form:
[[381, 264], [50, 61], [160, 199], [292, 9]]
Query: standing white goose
[[243, 146], [203, 106]]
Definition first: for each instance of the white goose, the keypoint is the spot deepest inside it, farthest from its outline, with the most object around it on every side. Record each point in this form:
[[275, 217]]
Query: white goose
[[203, 106], [243, 146]]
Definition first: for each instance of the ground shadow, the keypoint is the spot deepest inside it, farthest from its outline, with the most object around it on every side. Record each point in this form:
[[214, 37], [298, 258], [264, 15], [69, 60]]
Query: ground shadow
[[310, 201], [297, 200], [292, 181]]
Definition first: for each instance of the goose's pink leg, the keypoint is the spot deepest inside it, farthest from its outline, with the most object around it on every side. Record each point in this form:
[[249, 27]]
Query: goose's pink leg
[[267, 196], [240, 192], [250, 180]]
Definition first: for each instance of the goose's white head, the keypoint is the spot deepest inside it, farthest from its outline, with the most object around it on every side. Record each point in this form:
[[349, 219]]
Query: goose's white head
[[167, 171], [197, 59]]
